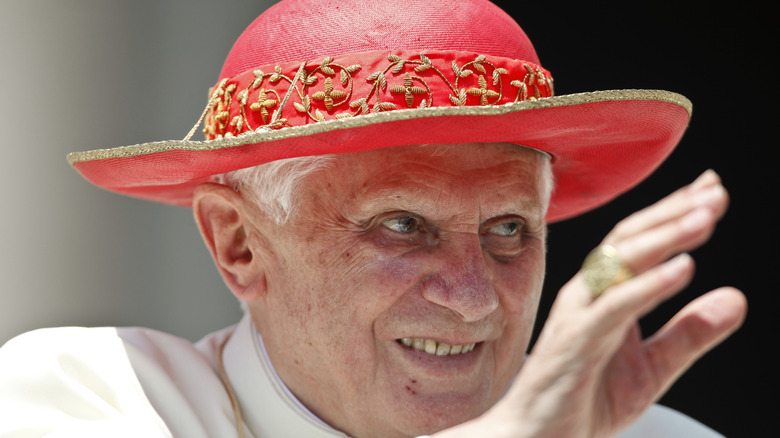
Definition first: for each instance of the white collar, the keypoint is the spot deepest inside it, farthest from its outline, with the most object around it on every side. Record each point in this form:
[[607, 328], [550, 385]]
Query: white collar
[[268, 407], [284, 387]]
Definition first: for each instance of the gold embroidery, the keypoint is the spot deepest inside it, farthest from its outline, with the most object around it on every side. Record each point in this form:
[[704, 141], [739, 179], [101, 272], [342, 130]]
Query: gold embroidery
[[409, 90], [329, 94], [263, 103], [536, 79], [482, 91], [337, 87]]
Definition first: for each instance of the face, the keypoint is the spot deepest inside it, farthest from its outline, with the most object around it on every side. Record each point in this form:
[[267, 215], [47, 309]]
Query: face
[[402, 294]]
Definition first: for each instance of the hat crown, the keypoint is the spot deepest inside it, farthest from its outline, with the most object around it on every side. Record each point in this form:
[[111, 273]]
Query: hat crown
[[300, 30]]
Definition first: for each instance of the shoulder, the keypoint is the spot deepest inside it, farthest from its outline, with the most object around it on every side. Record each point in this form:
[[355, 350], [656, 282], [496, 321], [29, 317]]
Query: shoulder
[[662, 422], [112, 382], [67, 353], [84, 353], [57, 379]]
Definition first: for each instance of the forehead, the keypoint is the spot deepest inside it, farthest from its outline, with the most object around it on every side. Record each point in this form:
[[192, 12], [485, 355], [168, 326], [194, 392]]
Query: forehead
[[411, 177]]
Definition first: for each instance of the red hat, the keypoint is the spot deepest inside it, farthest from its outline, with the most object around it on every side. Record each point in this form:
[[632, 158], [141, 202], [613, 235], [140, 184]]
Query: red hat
[[313, 77]]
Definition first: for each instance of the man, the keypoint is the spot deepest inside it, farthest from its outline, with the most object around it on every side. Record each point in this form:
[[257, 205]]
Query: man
[[375, 189]]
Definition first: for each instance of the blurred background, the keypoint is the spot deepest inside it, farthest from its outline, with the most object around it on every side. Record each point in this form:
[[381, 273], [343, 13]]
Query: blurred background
[[87, 74]]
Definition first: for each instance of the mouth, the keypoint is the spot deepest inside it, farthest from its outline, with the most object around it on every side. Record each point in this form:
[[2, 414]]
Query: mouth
[[433, 347]]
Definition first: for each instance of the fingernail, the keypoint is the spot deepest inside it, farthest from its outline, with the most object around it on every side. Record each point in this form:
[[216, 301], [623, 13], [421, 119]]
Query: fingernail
[[709, 195], [706, 178], [677, 264]]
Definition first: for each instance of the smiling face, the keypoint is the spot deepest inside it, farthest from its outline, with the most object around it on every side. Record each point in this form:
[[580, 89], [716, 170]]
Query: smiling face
[[402, 294]]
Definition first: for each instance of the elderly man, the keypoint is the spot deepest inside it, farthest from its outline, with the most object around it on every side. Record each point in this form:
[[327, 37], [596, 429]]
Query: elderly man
[[375, 188]]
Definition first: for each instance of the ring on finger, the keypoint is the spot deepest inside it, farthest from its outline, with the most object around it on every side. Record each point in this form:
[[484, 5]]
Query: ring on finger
[[603, 268]]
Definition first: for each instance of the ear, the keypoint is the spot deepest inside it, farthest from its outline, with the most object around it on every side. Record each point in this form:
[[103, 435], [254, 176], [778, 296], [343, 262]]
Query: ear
[[223, 222]]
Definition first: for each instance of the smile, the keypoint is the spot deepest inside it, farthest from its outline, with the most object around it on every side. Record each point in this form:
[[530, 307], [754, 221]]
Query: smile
[[431, 346]]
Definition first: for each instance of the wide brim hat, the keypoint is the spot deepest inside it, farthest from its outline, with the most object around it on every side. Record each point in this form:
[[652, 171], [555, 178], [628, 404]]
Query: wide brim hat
[[316, 77]]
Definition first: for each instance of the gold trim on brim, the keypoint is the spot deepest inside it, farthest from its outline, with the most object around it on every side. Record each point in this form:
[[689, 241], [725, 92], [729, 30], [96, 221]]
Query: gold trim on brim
[[265, 135]]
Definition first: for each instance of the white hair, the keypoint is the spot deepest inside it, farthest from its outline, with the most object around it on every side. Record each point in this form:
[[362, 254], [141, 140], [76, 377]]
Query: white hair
[[274, 186], [548, 180]]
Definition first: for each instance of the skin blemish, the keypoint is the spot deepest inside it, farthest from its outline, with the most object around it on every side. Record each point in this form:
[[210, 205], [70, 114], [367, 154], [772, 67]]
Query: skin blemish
[[409, 388]]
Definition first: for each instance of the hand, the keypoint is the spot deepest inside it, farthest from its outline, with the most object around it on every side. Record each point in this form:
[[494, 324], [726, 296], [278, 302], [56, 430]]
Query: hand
[[590, 373]]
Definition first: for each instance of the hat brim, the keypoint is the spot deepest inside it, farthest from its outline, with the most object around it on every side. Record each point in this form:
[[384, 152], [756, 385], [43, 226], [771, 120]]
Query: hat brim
[[602, 143]]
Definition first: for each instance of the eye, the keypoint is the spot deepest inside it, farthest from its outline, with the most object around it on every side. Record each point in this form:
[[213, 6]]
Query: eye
[[403, 224], [504, 237], [505, 229]]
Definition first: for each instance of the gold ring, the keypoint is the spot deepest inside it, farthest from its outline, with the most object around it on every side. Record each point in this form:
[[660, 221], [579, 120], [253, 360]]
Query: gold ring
[[603, 268]]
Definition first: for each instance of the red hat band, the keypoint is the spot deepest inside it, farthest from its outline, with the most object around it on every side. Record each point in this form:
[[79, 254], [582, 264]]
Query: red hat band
[[295, 93]]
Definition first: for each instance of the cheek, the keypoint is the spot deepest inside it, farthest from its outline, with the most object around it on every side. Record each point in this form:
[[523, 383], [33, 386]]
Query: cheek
[[519, 286], [524, 275], [346, 286], [362, 269], [398, 272]]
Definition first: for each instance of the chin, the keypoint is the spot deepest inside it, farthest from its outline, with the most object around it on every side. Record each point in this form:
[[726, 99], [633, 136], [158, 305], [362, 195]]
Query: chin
[[426, 417]]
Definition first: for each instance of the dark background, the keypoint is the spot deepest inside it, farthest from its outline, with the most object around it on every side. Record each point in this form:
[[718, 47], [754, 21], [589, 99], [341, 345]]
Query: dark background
[[719, 57]]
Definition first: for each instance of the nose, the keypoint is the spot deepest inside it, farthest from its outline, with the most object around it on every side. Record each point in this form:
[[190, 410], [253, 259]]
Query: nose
[[460, 280]]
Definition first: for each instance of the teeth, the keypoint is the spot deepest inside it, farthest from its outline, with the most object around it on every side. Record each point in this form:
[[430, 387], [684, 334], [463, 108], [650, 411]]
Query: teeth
[[430, 346], [442, 349]]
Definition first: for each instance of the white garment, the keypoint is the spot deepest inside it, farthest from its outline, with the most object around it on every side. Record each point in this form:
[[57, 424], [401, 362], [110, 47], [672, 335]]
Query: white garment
[[131, 382]]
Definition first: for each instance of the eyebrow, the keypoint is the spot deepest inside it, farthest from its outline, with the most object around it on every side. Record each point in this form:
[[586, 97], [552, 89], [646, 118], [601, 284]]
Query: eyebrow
[[372, 202]]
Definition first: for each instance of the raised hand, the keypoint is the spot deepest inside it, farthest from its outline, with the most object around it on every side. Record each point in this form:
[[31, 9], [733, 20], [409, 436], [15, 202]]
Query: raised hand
[[591, 373]]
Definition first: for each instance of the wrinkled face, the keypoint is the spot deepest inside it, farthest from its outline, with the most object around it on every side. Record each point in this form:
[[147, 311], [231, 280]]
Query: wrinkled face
[[402, 294]]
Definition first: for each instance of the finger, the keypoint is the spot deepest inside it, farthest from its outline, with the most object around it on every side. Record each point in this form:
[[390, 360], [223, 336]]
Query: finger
[[646, 249], [706, 191], [625, 303], [696, 329]]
